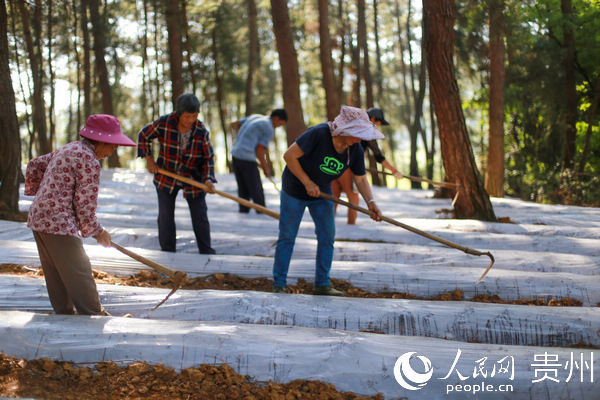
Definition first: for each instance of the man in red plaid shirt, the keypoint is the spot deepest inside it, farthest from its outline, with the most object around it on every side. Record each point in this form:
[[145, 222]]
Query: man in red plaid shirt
[[185, 149]]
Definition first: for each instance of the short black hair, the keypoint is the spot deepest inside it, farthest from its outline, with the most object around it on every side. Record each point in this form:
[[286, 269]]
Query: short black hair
[[279, 113], [187, 102]]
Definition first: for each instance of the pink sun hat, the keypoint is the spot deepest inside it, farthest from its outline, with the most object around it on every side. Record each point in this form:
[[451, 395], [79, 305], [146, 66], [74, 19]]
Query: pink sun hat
[[105, 128], [354, 122]]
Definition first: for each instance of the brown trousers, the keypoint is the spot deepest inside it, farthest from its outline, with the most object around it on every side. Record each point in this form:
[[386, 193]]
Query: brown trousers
[[68, 274], [344, 184]]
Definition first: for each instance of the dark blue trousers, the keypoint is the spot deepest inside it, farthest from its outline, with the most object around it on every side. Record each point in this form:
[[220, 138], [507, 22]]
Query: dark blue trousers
[[166, 221], [249, 183]]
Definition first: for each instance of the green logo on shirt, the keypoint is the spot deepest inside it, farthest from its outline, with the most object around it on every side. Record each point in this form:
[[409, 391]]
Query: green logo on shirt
[[331, 166]]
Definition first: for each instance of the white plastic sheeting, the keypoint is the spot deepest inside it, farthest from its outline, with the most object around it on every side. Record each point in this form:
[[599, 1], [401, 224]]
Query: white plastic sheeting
[[358, 362], [455, 320], [550, 251], [421, 281]]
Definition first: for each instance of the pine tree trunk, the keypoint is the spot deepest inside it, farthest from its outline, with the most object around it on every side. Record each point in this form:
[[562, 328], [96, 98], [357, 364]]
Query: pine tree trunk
[[457, 153], [10, 142], [18, 64], [188, 46], [144, 53], [407, 109], [331, 93], [51, 77], [379, 78], [342, 65], [219, 86], [570, 118], [98, 30], [417, 102], [253, 53], [362, 45], [35, 60], [175, 53], [87, 68], [494, 176], [290, 77], [75, 29]]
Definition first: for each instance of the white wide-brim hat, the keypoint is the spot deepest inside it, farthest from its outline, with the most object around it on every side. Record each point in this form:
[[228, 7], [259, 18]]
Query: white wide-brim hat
[[354, 122]]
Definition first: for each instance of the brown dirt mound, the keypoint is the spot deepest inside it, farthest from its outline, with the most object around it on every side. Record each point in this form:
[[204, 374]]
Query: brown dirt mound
[[150, 278], [47, 379]]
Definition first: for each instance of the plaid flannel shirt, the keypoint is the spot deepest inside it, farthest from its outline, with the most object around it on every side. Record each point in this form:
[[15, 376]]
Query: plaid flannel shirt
[[196, 161]]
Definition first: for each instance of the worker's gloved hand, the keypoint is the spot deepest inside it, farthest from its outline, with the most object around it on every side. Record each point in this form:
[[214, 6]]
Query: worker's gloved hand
[[103, 238]]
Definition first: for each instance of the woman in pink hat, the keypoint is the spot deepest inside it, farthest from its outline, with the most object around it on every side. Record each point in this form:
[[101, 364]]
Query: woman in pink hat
[[318, 157], [65, 185]]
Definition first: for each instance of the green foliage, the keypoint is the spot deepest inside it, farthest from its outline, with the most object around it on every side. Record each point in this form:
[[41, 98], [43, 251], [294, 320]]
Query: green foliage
[[534, 74]]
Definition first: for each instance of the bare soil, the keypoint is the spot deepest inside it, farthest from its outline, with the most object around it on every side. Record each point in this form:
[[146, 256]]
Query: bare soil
[[46, 379], [150, 278]]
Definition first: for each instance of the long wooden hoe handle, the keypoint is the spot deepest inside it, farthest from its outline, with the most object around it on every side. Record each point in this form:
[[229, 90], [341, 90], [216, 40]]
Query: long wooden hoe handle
[[177, 276], [202, 186], [418, 232], [448, 185]]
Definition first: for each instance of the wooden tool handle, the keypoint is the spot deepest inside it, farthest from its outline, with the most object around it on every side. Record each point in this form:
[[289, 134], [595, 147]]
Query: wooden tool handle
[[202, 186], [448, 243], [158, 267]]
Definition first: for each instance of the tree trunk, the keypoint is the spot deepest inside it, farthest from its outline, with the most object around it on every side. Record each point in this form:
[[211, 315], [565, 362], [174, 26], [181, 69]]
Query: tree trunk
[[457, 153], [416, 100], [175, 54], [10, 142], [87, 69], [288, 62], [75, 30], [188, 46], [379, 78], [570, 84], [342, 35], [18, 64], [98, 30], [35, 61], [253, 54], [354, 98], [219, 86], [145, 84], [431, 152], [494, 176], [362, 46], [51, 77], [407, 109], [331, 93], [365, 75], [158, 48]]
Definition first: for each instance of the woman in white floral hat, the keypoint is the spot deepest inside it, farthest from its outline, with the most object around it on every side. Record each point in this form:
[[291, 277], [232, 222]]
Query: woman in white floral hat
[[317, 157], [65, 185]]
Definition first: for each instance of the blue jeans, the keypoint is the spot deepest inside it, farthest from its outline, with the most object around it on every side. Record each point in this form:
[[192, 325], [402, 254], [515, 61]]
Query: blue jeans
[[291, 212]]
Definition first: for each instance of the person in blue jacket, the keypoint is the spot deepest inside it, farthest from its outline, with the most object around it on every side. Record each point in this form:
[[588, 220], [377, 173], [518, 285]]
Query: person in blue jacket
[[317, 157]]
